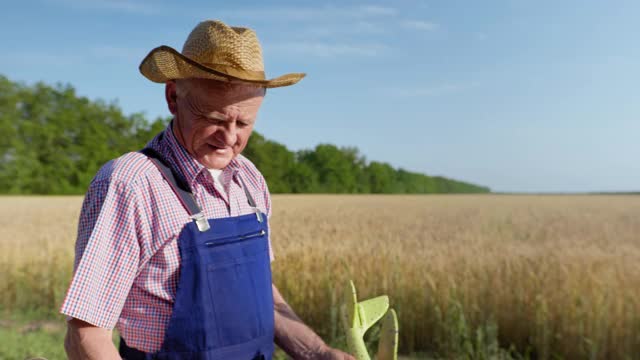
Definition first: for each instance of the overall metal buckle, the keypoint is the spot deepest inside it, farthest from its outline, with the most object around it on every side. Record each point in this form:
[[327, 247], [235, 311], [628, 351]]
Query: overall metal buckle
[[258, 214], [201, 222]]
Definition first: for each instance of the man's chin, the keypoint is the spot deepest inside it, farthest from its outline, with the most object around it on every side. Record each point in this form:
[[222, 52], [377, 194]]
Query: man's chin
[[215, 162]]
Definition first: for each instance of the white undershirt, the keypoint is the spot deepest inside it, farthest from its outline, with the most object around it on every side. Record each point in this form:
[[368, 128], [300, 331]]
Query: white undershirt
[[216, 174]]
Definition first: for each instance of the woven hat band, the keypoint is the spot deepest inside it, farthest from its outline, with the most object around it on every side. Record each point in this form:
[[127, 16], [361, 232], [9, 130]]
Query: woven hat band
[[239, 73]]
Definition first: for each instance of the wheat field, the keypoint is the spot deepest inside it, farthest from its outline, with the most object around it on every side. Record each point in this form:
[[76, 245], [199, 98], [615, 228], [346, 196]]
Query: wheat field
[[538, 276]]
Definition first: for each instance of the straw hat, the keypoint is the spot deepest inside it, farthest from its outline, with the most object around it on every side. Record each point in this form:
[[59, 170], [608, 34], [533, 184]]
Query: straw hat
[[215, 51]]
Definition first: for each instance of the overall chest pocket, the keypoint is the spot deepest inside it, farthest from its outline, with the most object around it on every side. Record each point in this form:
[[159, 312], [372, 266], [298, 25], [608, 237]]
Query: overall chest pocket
[[240, 289]]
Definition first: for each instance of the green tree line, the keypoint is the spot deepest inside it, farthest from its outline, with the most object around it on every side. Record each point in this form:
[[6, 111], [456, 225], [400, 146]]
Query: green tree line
[[54, 141]]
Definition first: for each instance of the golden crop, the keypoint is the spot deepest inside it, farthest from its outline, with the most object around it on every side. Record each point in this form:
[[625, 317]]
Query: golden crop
[[549, 275]]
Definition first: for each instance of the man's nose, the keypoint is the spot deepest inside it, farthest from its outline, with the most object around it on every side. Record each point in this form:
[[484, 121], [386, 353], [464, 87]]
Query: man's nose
[[229, 135]]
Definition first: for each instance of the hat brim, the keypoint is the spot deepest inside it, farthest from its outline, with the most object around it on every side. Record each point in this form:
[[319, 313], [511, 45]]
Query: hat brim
[[165, 63]]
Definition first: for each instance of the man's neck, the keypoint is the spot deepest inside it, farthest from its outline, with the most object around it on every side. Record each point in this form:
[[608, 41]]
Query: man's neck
[[178, 133]]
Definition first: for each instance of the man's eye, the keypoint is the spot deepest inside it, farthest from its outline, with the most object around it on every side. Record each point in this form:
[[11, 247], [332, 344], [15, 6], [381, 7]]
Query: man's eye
[[242, 124]]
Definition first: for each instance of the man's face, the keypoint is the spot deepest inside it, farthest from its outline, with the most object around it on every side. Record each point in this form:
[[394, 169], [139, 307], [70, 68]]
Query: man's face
[[213, 120]]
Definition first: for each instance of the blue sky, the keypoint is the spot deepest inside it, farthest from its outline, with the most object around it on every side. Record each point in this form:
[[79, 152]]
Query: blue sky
[[516, 95]]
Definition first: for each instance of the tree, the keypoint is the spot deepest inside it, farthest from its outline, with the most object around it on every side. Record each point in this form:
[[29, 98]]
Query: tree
[[54, 142], [336, 168], [381, 177]]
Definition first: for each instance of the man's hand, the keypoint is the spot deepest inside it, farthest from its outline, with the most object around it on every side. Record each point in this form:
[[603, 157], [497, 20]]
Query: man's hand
[[296, 338], [334, 354]]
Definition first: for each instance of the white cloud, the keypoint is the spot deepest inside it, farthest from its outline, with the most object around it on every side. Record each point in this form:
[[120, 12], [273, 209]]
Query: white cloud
[[366, 27], [67, 59], [39, 58], [375, 10], [419, 25], [334, 13], [433, 90], [116, 52], [357, 27], [480, 36], [127, 6], [328, 50]]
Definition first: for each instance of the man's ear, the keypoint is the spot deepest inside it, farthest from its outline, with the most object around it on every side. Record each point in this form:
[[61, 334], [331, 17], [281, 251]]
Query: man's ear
[[171, 96]]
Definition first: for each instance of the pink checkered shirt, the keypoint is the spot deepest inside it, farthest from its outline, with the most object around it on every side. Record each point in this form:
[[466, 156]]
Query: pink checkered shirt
[[127, 258]]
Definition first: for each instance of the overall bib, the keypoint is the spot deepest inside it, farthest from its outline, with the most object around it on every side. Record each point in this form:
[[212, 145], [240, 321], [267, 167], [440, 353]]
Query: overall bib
[[224, 302]]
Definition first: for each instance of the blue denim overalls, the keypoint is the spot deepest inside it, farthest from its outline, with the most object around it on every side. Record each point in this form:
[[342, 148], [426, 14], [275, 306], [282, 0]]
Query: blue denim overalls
[[224, 302]]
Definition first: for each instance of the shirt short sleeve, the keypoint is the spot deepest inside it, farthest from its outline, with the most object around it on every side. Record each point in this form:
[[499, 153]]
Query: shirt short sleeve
[[107, 253], [267, 202]]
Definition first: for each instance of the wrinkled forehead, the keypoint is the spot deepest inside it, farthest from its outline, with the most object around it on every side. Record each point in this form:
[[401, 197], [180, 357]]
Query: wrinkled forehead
[[206, 88]]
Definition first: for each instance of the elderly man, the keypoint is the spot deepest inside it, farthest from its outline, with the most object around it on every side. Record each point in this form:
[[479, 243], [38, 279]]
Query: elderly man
[[173, 241]]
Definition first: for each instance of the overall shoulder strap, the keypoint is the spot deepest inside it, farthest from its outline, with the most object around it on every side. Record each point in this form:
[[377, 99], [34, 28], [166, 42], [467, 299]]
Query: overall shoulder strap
[[250, 200], [179, 187]]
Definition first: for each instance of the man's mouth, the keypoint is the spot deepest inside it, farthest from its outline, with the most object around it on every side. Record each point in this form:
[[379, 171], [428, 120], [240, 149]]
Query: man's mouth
[[219, 149]]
